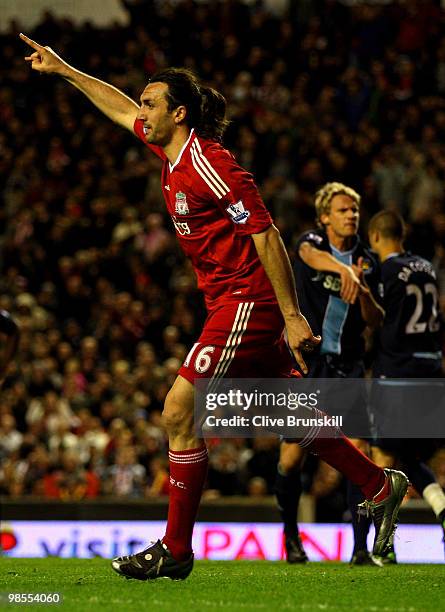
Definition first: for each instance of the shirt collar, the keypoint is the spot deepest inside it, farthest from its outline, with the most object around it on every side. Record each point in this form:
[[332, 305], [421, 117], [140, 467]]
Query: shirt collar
[[351, 250], [178, 159]]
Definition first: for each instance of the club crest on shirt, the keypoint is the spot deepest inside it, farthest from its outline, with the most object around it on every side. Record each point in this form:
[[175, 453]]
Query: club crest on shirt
[[181, 207], [238, 213], [365, 265]]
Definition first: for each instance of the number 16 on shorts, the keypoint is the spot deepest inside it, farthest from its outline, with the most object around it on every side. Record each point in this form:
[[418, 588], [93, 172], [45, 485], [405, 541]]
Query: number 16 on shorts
[[201, 359]]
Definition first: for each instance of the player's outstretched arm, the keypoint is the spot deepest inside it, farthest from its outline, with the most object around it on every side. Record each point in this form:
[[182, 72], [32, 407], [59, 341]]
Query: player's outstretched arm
[[273, 256], [111, 101]]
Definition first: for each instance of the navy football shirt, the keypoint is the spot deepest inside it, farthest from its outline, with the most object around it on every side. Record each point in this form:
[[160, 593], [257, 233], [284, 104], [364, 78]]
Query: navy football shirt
[[340, 324], [409, 340]]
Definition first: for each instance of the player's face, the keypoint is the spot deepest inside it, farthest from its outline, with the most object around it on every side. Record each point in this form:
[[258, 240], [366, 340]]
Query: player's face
[[159, 122], [343, 218]]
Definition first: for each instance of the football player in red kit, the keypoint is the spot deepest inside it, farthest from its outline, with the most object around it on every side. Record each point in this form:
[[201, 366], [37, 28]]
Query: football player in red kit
[[244, 271]]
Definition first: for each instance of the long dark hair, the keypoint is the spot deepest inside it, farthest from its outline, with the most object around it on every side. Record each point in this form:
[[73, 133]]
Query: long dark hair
[[206, 107]]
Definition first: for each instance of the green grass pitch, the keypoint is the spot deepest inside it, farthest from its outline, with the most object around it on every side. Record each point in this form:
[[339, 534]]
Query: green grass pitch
[[229, 585]]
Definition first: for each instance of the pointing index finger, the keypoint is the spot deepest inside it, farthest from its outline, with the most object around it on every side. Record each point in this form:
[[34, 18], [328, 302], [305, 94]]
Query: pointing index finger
[[299, 357], [31, 42]]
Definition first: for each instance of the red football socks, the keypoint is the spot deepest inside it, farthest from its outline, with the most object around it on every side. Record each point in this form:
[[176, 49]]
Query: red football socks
[[334, 448], [188, 471]]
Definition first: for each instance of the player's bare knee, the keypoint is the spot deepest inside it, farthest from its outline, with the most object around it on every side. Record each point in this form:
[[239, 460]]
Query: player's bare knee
[[176, 418], [173, 419]]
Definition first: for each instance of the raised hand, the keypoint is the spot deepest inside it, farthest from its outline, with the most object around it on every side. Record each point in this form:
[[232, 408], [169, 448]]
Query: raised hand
[[44, 59], [359, 272], [112, 102]]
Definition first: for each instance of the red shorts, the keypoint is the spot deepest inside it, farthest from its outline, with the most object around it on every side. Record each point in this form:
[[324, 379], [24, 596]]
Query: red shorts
[[240, 340]]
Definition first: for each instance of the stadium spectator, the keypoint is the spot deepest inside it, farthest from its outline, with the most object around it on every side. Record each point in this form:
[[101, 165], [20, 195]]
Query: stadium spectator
[[158, 477], [223, 474], [70, 481], [10, 438], [126, 477], [257, 487]]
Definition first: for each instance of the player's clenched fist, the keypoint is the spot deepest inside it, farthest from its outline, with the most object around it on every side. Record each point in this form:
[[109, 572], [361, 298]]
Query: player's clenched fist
[[300, 338], [44, 59]]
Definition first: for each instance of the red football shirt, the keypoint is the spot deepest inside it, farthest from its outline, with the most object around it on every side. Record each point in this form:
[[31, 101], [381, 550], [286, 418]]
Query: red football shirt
[[215, 207]]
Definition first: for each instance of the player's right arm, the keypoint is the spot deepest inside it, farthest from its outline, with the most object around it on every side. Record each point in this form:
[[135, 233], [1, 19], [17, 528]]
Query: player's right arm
[[325, 262], [111, 101]]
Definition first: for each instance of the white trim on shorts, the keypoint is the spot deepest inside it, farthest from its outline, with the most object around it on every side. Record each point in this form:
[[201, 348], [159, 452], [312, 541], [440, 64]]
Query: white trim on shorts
[[233, 341]]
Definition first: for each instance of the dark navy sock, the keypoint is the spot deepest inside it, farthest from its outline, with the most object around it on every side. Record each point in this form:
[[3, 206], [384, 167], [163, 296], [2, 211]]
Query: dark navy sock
[[288, 492], [360, 522]]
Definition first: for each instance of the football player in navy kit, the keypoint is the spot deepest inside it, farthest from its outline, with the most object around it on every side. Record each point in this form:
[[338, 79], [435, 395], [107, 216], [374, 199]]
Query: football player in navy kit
[[408, 346], [337, 277]]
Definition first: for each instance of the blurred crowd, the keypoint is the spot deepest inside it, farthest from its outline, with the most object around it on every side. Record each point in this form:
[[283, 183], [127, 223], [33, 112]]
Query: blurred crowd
[[90, 268]]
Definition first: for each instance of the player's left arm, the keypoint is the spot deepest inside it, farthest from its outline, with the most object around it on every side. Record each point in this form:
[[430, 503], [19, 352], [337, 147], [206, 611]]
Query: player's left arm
[[10, 330], [372, 312], [273, 255]]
